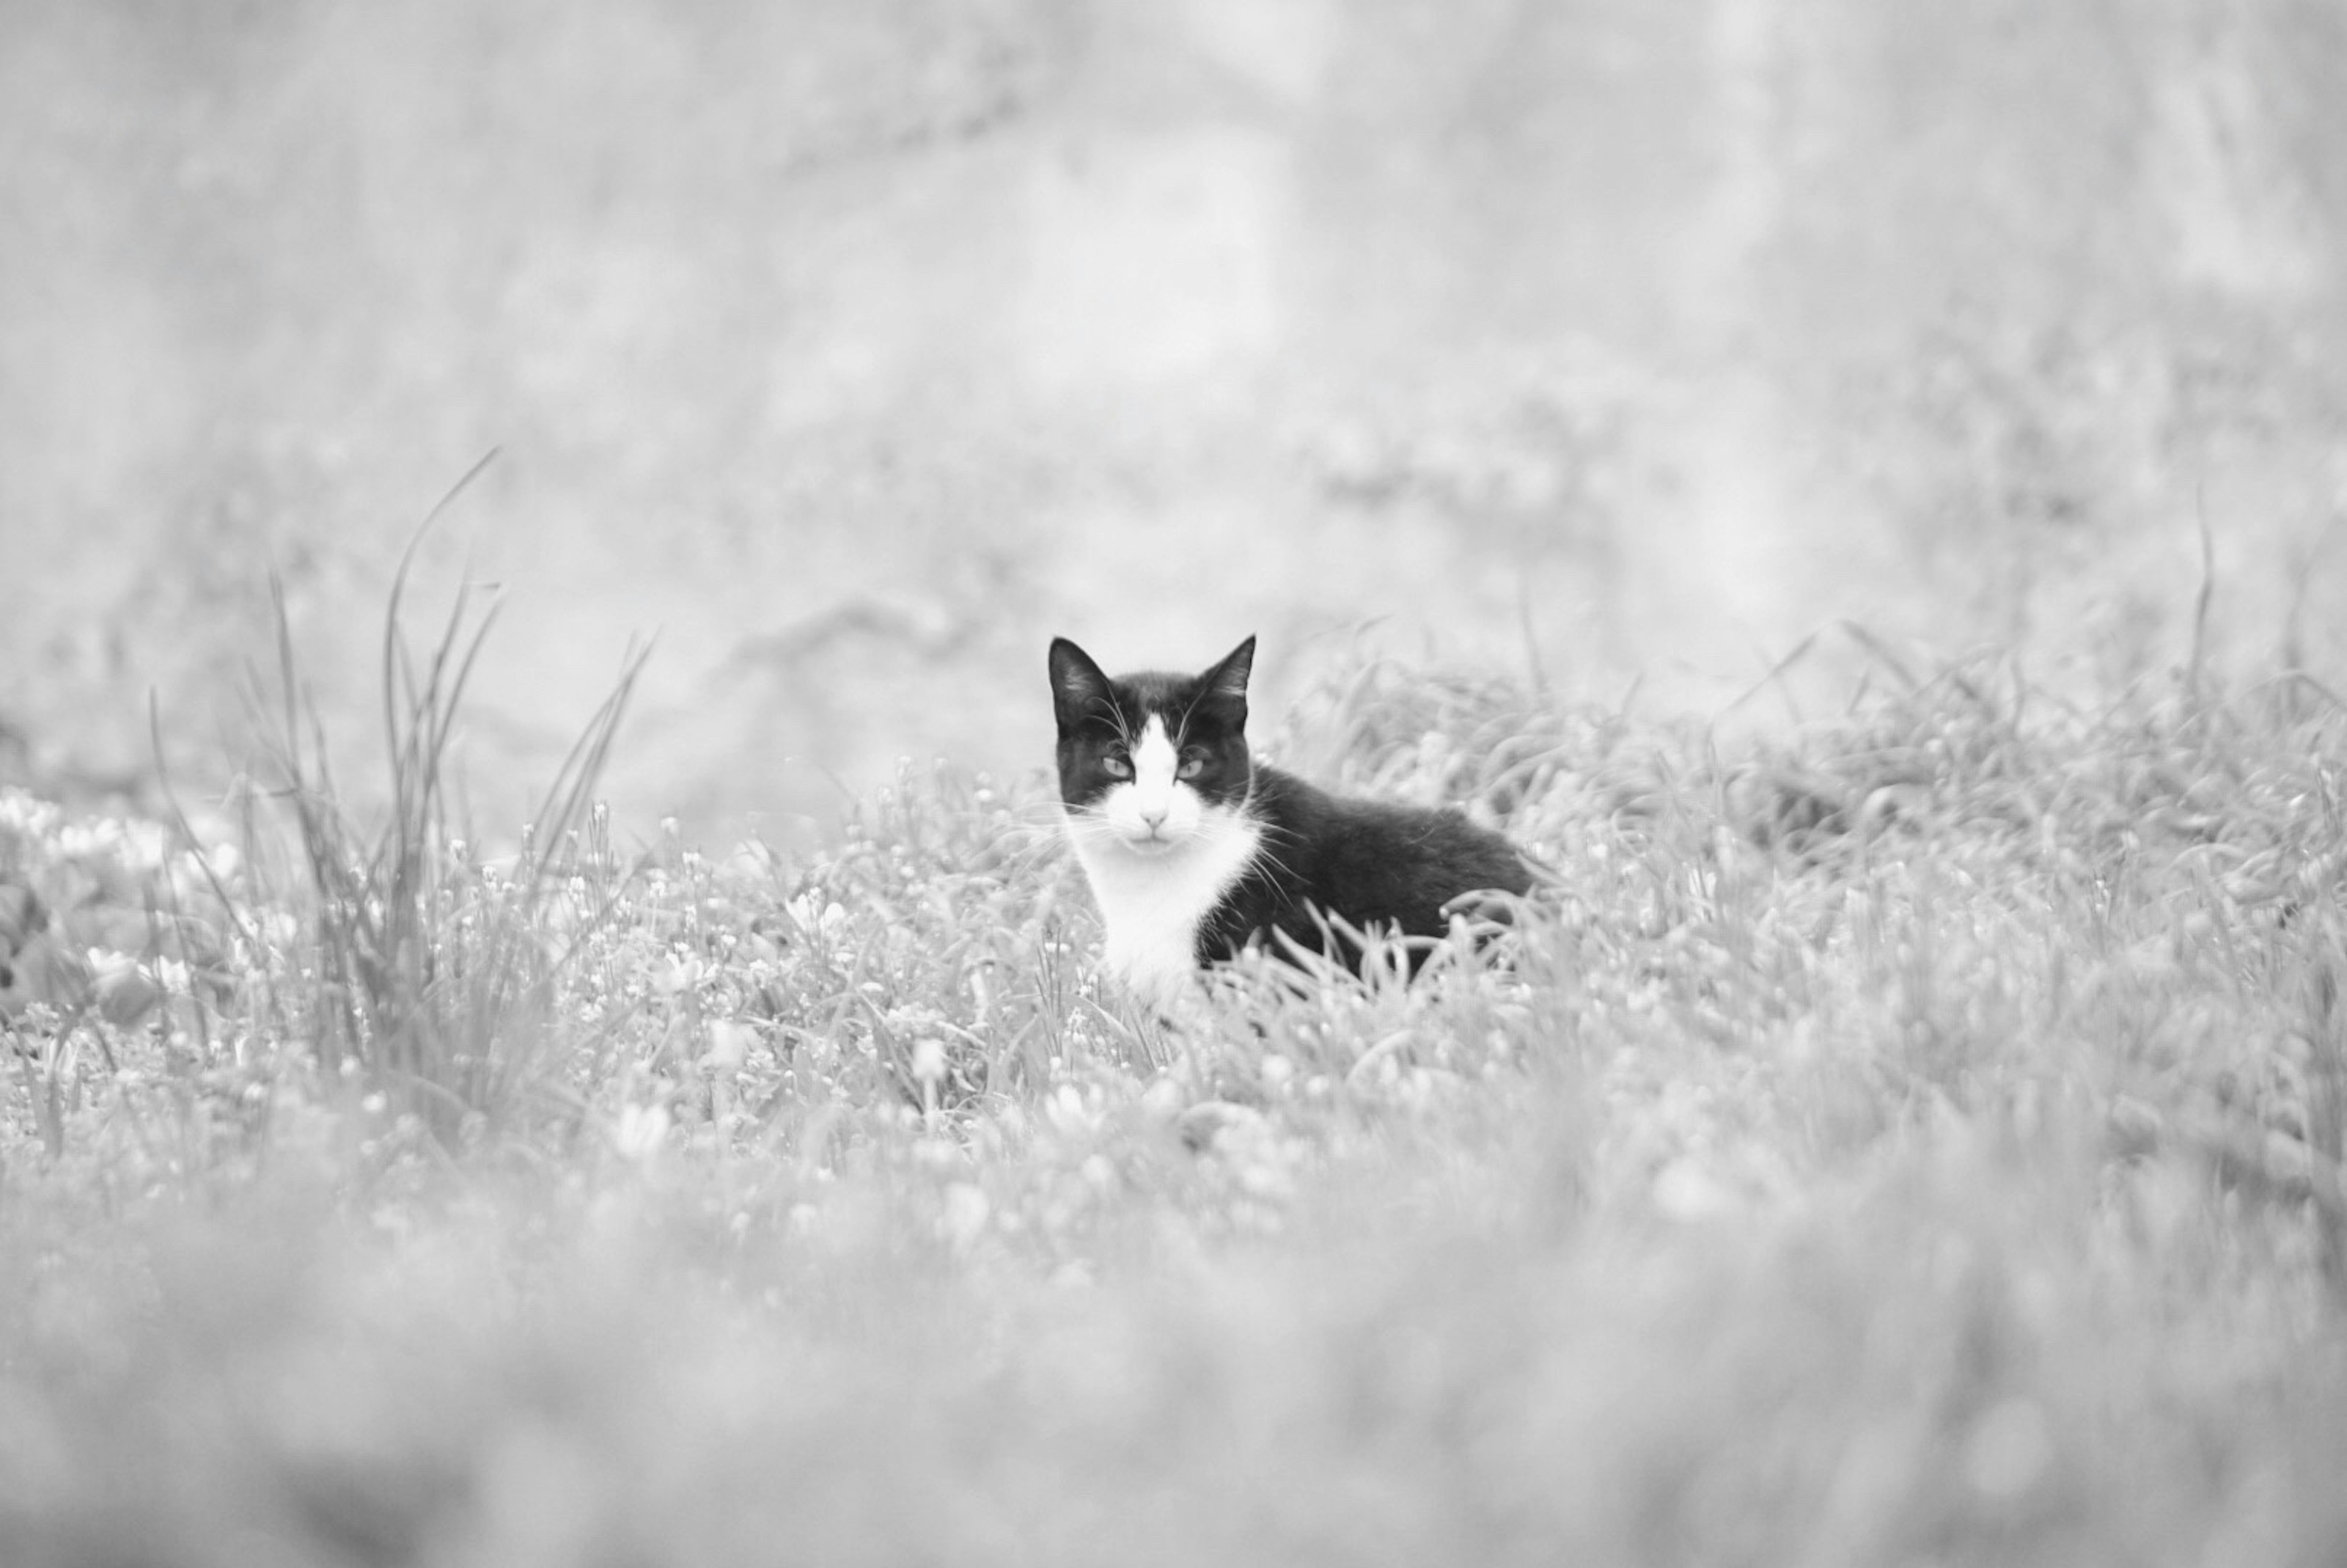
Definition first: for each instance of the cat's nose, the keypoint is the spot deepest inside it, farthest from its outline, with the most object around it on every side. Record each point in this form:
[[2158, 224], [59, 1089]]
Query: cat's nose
[[1154, 820]]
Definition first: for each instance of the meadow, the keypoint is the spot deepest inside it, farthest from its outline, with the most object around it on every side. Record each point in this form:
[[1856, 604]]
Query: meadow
[[1911, 1135]]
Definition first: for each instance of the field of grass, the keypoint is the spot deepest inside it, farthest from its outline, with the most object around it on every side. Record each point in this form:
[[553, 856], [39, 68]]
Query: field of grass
[[1913, 1139]]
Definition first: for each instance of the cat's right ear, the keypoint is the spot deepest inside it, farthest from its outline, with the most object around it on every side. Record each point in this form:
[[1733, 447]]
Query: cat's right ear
[[1228, 680], [1079, 689]]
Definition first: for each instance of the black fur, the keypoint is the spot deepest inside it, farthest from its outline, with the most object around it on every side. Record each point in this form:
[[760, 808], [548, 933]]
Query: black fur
[[1373, 864], [1370, 864]]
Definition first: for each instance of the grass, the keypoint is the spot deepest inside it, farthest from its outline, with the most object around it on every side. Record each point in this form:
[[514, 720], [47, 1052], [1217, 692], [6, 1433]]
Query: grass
[[433, 974], [1916, 1138]]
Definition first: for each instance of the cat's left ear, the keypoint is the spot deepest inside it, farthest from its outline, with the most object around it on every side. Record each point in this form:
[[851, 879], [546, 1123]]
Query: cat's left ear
[[1079, 689], [1228, 680]]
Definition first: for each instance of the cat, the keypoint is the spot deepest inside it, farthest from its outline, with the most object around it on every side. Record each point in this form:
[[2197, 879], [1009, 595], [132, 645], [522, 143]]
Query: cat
[[1194, 851]]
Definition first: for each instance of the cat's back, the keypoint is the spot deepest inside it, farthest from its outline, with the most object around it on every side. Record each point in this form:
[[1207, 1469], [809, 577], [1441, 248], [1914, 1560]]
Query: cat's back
[[1379, 862]]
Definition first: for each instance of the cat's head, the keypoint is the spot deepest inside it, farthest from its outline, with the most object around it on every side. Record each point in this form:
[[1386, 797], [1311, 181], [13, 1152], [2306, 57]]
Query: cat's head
[[1150, 762]]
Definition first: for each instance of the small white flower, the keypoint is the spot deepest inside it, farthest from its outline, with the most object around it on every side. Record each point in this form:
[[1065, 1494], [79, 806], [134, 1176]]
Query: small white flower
[[641, 1130], [825, 919], [929, 1060], [1068, 1111]]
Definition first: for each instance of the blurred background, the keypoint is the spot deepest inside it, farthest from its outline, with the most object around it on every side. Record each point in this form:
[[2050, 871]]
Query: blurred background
[[856, 347]]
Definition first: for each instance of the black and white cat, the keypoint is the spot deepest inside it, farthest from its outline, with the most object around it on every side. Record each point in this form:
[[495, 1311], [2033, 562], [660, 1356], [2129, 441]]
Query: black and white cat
[[1194, 851]]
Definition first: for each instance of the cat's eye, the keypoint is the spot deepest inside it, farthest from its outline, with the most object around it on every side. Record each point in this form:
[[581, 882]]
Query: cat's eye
[[1193, 764], [1117, 766]]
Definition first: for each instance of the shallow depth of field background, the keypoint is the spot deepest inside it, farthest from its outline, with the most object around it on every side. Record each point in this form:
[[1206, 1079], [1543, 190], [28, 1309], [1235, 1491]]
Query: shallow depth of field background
[[854, 349], [1918, 1134]]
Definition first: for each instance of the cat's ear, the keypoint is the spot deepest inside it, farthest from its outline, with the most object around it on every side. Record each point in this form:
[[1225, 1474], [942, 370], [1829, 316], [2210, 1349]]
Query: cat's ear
[[1079, 689], [1228, 680]]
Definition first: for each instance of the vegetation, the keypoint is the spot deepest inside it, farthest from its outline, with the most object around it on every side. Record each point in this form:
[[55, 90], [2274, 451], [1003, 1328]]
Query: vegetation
[[1917, 1138]]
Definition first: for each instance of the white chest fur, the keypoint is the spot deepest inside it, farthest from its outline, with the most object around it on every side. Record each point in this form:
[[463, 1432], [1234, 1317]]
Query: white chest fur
[[1154, 903]]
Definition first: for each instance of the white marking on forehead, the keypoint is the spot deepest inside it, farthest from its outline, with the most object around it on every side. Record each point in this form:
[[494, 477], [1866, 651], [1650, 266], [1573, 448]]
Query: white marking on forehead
[[1153, 757]]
